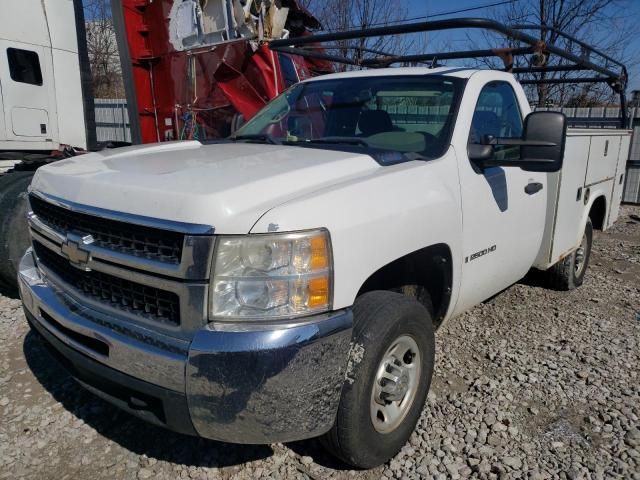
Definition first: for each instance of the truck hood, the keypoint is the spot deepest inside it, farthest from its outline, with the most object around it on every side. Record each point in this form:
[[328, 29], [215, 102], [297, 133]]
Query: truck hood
[[226, 185]]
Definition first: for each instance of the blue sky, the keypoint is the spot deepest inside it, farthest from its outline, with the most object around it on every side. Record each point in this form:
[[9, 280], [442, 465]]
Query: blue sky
[[460, 40]]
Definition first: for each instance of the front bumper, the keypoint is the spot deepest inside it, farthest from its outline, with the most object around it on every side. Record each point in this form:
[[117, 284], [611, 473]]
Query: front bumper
[[263, 385]]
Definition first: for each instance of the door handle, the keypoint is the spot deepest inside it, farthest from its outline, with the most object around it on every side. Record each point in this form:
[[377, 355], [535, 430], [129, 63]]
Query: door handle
[[532, 188]]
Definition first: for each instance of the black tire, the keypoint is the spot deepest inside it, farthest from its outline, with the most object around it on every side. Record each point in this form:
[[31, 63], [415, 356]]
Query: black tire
[[565, 275], [14, 231], [380, 318]]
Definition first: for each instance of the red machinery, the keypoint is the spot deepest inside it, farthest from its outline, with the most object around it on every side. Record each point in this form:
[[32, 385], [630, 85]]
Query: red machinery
[[197, 68]]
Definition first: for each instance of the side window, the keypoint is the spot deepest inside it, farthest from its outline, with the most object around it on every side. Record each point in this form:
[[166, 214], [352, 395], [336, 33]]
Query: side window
[[497, 113], [24, 66]]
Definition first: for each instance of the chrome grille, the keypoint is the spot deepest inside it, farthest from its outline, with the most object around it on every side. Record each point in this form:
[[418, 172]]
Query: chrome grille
[[143, 300], [136, 240]]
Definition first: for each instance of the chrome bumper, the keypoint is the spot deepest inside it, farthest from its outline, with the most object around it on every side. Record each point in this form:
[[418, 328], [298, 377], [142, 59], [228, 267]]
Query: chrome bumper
[[273, 384]]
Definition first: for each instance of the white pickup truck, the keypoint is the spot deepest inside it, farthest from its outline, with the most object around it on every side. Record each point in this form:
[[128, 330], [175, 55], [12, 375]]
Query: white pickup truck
[[286, 283]]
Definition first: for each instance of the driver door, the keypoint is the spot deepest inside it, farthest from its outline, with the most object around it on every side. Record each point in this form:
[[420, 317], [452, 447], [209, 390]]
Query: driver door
[[503, 224]]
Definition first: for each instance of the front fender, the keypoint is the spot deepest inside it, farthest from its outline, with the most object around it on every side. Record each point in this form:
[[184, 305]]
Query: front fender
[[378, 218]]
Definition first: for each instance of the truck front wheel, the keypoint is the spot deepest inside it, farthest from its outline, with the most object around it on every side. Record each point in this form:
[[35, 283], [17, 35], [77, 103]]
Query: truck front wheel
[[388, 378], [569, 273]]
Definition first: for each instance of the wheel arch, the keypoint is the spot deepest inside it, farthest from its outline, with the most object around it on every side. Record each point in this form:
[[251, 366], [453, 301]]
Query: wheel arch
[[430, 268], [598, 212]]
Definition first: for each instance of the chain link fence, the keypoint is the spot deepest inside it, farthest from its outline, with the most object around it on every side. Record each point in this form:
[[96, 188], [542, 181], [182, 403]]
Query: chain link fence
[[112, 120]]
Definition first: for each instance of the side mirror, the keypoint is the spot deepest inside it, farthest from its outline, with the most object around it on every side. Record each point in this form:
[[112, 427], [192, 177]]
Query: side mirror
[[541, 146], [548, 127]]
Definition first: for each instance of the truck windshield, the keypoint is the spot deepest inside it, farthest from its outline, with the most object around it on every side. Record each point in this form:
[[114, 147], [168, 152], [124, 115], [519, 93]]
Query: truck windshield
[[409, 115]]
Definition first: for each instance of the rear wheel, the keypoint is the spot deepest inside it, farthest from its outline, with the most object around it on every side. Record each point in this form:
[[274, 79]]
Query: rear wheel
[[387, 380], [569, 273]]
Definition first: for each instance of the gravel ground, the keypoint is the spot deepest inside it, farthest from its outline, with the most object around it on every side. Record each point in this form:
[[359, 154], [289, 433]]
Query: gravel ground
[[531, 384]]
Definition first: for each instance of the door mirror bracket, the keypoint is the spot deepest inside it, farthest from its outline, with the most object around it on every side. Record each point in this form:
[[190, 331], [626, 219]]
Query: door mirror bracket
[[479, 153]]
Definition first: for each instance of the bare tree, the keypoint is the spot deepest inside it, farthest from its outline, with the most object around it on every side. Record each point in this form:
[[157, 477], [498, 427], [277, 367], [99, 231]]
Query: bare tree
[[601, 23], [340, 15], [103, 50]]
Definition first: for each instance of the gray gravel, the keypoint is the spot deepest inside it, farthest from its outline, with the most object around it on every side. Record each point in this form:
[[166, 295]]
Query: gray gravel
[[533, 384]]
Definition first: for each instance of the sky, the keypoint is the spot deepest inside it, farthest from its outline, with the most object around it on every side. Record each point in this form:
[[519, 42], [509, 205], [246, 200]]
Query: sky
[[435, 7]]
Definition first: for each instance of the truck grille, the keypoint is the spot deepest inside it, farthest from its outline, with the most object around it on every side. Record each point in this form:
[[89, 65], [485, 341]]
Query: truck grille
[[147, 242], [129, 296]]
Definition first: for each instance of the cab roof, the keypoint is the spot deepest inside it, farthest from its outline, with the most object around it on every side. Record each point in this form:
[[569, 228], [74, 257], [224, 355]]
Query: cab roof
[[459, 72]]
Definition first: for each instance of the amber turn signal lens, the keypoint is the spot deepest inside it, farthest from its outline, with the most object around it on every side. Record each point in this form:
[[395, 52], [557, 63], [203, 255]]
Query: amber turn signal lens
[[318, 292], [319, 253]]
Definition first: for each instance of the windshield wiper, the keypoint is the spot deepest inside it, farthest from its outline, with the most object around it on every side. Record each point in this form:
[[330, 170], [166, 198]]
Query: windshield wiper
[[338, 140], [262, 137], [382, 153]]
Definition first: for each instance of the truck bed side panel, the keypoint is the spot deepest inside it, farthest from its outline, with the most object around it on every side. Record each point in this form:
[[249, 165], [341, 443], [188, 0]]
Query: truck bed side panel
[[593, 163]]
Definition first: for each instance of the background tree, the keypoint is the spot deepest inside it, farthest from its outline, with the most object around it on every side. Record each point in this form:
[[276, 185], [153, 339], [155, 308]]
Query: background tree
[[601, 23], [103, 50], [339, 15]]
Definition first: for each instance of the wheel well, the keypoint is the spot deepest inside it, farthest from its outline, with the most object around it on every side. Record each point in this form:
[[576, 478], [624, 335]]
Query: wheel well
[[428, 270], [598, 213]]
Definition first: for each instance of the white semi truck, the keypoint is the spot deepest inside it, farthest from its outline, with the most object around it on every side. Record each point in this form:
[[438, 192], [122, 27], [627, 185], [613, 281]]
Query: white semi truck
[[46, 106], [286, 283]]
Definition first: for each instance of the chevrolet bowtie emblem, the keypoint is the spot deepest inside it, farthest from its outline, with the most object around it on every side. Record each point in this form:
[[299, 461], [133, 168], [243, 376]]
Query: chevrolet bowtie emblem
[[72, 249]]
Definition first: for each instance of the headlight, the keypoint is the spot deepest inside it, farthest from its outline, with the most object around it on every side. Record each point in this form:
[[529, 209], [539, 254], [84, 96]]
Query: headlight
[[271, 276]]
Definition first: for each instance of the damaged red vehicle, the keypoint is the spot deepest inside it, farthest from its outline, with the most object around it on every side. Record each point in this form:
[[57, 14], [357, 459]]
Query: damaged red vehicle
[[197, 69]]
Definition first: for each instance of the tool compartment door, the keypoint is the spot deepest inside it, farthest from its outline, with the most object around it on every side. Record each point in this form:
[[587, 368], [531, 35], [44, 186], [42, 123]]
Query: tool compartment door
[[618, 182], [603, 158]]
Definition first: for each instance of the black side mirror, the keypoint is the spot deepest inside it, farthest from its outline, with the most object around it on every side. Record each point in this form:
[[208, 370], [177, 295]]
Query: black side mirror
[[548, 127], [541, 145]]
